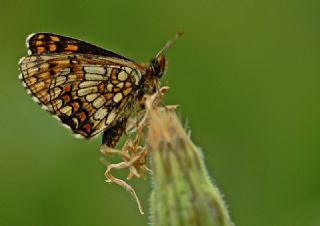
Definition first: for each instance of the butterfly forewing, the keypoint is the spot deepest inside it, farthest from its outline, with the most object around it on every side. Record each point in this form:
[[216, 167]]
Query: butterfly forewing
[[88, 88], [42, 43]]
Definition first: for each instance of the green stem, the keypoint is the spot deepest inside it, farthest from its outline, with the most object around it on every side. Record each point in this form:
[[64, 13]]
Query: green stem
[[183, 193]]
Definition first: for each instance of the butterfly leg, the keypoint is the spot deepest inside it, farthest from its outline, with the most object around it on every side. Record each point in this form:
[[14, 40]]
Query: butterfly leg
[[110, 138]]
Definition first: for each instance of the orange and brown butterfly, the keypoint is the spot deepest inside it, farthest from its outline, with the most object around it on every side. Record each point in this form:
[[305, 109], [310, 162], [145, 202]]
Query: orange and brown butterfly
[[88, 88]]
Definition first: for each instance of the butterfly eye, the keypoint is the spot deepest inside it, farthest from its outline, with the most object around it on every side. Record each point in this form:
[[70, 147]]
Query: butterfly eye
[[158, 65]]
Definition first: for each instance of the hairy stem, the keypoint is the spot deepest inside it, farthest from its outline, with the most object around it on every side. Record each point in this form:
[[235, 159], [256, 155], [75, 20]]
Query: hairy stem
[[183, 194]]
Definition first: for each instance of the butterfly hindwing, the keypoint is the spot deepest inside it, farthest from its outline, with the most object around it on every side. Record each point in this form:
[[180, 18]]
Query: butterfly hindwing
[[46, 43], [89, 105], [37, 73], [86, 96]]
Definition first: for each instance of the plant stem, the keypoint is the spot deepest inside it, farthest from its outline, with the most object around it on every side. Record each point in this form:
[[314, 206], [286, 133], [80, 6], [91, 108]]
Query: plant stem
[[183, 194]]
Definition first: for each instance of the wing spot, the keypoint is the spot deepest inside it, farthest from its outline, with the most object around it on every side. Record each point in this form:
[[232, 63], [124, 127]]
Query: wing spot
[[60, 80], [100, 114], [120, 85], [24, 85], [35, 99], [99, 125], [116, 89], [109, 71], [88, 90], [99, 102], [43, 96], [72, 77], [101, 88], [122, 76], [27, 65], [44, 75], [40, 49], [67, 88], [44, 66], [37, 87], [57, 104], [55, 38], [127, 84], [30, 81], [88, 84], [118, 97], [79, 136], [114, 81], [127, 91], [67, 110], [39, 43], [52, 47], [114, 73], [89, 76], [82, 116], [92, 97], [87, 127], [66, 98], [75, 106], [95, 70], [75, 123], [109, 87], [69, 47], [112, 115], [32, 70], [65, 71], [40, 36], [108, 96], [55, 92], [128, 70], [44, 107]]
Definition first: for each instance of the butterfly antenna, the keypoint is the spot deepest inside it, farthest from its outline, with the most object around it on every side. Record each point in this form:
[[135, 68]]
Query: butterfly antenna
[[169, 43]]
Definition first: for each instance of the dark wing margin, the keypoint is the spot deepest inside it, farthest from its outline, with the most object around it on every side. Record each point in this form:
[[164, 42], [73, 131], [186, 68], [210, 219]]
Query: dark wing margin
[[46, 43]]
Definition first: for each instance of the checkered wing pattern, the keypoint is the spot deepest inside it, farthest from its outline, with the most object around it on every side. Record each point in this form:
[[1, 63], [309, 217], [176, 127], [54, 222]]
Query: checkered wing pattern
[[87, 93], [48, 43]]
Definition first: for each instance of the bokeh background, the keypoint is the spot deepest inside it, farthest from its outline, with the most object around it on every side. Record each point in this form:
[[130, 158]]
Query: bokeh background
[[246, 74]]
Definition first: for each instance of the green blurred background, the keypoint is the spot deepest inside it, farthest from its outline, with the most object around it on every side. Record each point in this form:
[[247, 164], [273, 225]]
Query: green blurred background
[[246, 74]]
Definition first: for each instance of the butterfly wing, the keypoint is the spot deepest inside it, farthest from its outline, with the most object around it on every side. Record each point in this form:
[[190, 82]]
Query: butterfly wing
[[46, 43], [88, 94], [37, 73]]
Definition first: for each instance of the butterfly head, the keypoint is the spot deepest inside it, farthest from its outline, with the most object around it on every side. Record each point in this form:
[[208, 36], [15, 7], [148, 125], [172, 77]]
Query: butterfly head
[[158, 65]]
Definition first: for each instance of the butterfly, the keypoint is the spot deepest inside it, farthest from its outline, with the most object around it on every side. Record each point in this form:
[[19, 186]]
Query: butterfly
[[89, 89]]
